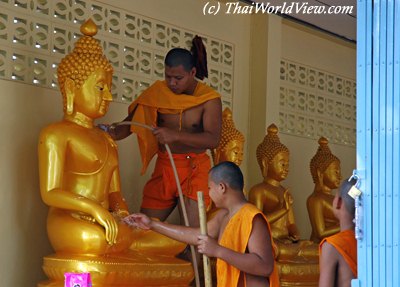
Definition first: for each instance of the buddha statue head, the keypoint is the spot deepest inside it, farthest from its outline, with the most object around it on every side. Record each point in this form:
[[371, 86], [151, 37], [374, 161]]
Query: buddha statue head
[[273, 156], [230, 147], [325, 166], [83, 73]]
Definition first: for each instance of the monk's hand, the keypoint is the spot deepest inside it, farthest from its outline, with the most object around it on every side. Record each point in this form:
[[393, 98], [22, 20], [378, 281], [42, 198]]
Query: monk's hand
[[138, 220], [107, 220], [165, 135], [207, 246], [110, 129]]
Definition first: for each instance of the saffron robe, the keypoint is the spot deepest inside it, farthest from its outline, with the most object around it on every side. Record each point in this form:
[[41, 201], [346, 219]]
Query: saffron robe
[[346, 244], [158, 98], [236, 236]]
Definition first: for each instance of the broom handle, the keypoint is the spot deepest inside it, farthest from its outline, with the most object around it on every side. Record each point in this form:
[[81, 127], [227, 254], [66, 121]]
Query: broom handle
[[203, 231]]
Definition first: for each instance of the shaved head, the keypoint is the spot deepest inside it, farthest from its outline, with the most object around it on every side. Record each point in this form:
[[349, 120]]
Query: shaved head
[[229, 173], [344, 194]]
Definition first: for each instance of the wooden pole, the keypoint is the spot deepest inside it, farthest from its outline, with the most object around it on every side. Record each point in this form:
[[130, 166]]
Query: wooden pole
[[203, 231]]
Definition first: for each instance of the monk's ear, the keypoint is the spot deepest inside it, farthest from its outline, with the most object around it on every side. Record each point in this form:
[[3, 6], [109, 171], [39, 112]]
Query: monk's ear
[[193, 72], [69, 87], [222, 186]]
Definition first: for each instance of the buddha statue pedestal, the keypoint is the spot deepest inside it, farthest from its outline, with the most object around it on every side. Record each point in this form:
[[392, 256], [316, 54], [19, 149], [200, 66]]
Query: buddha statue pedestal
[[129, 269], [298, 264], [298, 274]]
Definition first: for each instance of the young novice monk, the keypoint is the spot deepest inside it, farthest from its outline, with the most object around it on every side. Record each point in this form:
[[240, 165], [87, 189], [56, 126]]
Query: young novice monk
[[238, 235], [338, 253]]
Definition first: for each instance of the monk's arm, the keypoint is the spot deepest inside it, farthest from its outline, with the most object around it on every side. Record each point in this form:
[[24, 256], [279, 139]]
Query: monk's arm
[[327, 265], [119, 132], [177, 232], [259, 260]]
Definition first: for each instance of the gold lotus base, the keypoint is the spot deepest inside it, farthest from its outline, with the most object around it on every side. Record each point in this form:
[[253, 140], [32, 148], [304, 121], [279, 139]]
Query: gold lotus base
[[126, 270], [293, 274]]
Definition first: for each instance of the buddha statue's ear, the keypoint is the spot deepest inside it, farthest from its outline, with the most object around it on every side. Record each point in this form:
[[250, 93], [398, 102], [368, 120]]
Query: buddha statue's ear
[[69, 87], [320, 176], [264, 169]]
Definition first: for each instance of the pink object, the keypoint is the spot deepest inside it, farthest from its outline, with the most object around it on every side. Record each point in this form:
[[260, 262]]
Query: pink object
[[77, 280]]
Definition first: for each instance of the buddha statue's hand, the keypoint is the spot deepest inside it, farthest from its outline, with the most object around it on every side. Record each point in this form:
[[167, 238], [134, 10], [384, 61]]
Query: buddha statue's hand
[[207, 246], [107, 220], [138, 220], [293, 233]]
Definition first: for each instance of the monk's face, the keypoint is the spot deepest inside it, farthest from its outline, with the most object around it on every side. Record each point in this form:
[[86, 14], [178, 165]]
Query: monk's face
[[278, 168], [93, 98], [180, 81], [214, 192], [332, 176]]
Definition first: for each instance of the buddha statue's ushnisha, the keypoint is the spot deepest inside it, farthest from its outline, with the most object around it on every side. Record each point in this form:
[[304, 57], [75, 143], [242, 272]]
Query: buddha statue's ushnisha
[[325, 171], [231, 144], [297, 259], [80, 182]]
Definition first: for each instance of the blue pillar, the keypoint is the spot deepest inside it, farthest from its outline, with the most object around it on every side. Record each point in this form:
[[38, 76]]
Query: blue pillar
[[378, 92]]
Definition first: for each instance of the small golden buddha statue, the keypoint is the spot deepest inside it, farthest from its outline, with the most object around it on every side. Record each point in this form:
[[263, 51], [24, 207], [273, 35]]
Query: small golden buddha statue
[[270, 196], [297, 259], [325, 171], [80, 182], [231, 144]]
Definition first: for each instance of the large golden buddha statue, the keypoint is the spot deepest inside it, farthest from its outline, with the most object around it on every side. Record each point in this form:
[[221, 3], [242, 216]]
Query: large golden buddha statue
[[80, 182], [297, 259], [325, 171], [231, 144]]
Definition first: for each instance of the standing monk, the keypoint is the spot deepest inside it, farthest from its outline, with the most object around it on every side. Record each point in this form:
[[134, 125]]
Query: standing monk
[[186, 114], [338, 253]]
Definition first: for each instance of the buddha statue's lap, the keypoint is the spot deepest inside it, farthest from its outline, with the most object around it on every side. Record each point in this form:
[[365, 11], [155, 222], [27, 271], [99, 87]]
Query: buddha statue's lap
[[325, 171], [79, 180], [295, 257]]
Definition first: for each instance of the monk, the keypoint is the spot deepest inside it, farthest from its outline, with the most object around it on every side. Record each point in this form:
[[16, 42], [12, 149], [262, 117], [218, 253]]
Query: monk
[[238, 235], [338, 253], [186, 114]]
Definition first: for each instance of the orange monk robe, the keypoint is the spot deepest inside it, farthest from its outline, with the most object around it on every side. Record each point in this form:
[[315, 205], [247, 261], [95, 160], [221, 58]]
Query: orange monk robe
[[346, 244], [236, 236], [158, 98]]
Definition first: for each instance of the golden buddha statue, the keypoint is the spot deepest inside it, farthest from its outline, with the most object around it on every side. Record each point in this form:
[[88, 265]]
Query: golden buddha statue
[[270, 196], [325, 171], [297, 259], [231, 144], [80, 182]]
